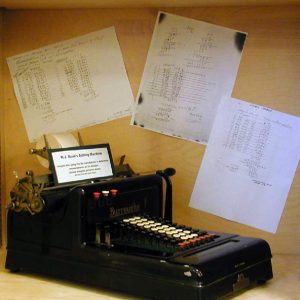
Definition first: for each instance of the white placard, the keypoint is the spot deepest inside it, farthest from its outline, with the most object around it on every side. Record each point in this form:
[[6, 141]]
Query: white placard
[[81, 163]]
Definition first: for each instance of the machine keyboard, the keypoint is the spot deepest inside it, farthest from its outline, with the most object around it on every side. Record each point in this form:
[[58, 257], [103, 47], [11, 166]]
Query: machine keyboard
[[151, 235]]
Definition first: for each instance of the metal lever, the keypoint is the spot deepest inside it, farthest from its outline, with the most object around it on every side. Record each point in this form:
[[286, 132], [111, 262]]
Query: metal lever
[[166, 174]]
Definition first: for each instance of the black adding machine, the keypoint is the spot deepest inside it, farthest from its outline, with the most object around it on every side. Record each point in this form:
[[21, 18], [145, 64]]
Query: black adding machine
[[118, 234]]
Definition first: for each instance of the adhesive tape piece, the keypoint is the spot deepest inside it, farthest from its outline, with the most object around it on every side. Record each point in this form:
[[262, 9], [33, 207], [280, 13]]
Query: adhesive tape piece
[[58, 140]]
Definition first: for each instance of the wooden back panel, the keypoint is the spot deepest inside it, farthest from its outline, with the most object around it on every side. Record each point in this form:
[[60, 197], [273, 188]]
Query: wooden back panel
[[268, 75], [1, 123]]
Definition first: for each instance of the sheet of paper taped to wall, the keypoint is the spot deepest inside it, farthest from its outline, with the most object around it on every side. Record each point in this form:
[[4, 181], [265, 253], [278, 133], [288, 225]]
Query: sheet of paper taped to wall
[[71, 84], [249, 164], [190, 66]]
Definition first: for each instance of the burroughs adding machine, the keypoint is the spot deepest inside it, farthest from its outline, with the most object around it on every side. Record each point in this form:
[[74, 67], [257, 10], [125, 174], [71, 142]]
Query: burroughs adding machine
[[117, 233]]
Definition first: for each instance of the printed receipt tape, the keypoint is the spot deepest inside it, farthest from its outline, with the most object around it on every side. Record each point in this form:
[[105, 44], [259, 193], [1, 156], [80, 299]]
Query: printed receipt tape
[[59, 140]]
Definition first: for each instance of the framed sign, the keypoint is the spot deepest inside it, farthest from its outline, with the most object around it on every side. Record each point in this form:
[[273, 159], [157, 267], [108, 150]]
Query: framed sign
[[77, 164]]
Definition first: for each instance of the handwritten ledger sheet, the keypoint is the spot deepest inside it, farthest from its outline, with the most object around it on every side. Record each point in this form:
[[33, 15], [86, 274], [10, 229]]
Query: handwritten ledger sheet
[[249, 164], [190, 66], [71, 84]]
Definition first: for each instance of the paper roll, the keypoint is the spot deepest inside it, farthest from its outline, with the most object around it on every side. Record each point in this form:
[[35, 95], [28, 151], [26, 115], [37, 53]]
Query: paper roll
[[54, 141]]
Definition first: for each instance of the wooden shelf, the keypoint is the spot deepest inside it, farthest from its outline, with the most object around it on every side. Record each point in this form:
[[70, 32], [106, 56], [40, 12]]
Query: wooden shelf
[[24, 286], [58, 4]]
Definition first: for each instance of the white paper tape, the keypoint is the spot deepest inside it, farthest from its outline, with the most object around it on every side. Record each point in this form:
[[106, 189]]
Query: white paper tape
[[57, 140]]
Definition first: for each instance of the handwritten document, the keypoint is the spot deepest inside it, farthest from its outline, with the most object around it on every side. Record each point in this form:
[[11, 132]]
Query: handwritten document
[[190, 66], [249, 164], [71, 84]]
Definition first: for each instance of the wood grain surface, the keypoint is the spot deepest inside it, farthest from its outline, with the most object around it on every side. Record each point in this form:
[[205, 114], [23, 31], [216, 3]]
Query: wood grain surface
[[54, 4], [269, 75], [24, 286], [1, 123]]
